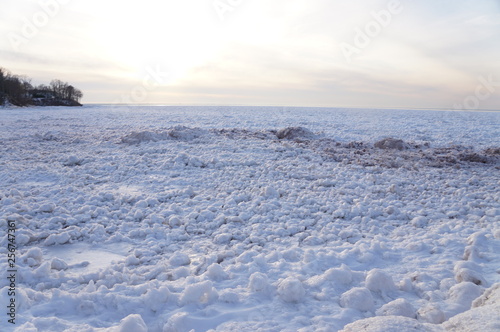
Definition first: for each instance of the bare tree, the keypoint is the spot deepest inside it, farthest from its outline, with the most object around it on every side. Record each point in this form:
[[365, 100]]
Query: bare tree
[[78, 95], [2, 86], [19, 91]]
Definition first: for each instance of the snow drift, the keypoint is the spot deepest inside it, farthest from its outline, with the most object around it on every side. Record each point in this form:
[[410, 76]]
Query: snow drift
[[210, 219]]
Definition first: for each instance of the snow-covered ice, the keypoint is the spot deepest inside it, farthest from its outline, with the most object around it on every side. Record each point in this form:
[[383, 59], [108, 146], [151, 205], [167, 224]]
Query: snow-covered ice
[[153, 218]]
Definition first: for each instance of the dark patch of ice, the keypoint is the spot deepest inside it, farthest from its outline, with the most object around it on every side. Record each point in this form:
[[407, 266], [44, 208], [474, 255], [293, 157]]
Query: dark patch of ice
[[139, 137], [390, 143], [293, 133], [236, 133], [185, 133], [473, 157]]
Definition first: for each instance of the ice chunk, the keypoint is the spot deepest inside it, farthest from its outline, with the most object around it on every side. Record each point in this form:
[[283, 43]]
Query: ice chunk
[[399, 307], [142, 204], [35, 254], [90, 287], [419, 222], [496, 234], [132, 323], [358, 298], [47, 208], [43, 270], [390, 143], [223, 238], [185, 133], [139, 137], [464, 293], [132, 260], [472, 253], [478, 239], [465, 274], [216, 272], [177, 323], [202, 292], [379, 281], [342, 275], [270, 192], [229, 297], [174, 221], [291, 290], [179, 259], [295, 133], [73, 161], [431, 314], [155, 298], [58, 264], [258, 282], [57, 239], [482, 317], [180, 272], [389, 324]]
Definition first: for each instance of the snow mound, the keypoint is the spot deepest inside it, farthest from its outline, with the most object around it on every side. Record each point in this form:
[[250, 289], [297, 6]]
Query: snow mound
[[258, 282], [295, 133], [465, 274], [58, 264], [61, 238], [389, 324], [74, 161], [342, 275], [179, 259], [216, 272], [132, 323], [188, 229], [291, 290], [47, 208], [358, 298], [482, 317], [391, 143], [139, 137], [241, 133], [51, 136], [379, 281], [202, 292], [419, 222], [185, 133], [430, 313], [399, 307], [464, 293]]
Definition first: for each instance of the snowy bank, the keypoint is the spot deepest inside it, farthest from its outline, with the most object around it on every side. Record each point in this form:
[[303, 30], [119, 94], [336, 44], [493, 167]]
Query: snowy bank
[[220, 219]]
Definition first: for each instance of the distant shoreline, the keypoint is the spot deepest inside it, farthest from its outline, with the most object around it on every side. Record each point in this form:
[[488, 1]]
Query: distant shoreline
[[296, 107], [17, 90]]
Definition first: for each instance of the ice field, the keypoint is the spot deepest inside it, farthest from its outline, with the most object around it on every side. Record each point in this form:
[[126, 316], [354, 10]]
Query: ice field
[[178, 219]]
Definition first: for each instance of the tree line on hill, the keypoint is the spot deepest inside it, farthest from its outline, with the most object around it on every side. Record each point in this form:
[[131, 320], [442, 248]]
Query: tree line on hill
[[17, 90]]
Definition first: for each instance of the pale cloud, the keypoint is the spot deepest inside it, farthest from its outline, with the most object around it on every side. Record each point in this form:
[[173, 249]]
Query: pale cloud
[[281, 52]]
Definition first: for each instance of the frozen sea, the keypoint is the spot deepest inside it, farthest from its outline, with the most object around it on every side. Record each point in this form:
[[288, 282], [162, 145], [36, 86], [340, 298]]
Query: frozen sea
[[182, 218]]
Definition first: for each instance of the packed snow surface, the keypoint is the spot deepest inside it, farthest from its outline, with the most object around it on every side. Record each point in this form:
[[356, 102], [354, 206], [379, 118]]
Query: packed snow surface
[[163, 219]]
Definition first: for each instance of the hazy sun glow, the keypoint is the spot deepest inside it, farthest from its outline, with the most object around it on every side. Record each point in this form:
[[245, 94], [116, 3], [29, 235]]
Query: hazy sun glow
[[322, 53]]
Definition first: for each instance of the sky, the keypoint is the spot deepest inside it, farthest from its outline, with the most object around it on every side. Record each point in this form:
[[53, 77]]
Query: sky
[[327, 53]]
